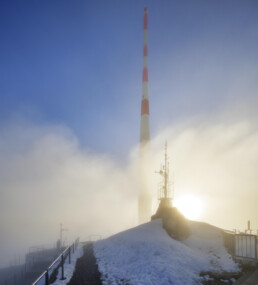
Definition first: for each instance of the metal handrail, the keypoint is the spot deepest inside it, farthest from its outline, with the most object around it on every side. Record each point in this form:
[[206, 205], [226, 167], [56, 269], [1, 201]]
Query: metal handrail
[[39, 278], [61, 256]]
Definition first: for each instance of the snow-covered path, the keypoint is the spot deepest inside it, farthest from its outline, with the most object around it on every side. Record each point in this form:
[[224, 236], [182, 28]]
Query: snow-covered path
[[146, 255], [68, 268]]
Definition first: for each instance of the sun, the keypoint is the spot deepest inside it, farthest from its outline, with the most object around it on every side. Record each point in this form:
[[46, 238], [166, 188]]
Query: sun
[[190, 206]]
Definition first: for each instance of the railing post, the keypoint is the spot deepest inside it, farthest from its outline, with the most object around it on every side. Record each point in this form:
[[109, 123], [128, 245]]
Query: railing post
[[46, 278], [233, 244], [246, 237], [242, 246], [69, 255], [62, 262]]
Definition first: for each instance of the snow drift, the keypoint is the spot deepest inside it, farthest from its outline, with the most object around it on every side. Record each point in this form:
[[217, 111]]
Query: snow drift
[[146, 255]]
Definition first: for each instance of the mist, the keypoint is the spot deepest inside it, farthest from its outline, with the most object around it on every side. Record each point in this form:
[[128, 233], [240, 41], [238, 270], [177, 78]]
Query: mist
[[215, 160], [48, 178]]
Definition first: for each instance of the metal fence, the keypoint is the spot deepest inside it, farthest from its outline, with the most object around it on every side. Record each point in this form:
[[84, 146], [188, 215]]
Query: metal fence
[[50, 274], [242, 246], [246, 246]]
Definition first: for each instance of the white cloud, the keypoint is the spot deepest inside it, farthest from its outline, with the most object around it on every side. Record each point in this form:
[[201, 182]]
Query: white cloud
[[217, 162], [47, 178]]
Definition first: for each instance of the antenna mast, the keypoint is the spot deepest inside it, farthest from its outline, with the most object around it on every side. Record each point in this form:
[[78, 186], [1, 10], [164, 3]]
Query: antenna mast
[[166, 173], [144, 198], [165, 195]]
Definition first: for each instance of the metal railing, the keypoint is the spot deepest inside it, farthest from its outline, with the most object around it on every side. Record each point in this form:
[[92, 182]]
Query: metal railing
[[242, 246], [94, 237], [246, 246], [50, 274]]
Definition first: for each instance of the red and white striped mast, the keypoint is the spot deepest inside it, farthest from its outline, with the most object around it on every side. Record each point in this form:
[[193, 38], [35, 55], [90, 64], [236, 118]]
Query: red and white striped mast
[[145, 200], [145, 125]]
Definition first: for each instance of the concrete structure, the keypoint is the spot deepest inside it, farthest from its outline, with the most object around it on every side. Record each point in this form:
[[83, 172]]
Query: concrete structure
[[145, 200]]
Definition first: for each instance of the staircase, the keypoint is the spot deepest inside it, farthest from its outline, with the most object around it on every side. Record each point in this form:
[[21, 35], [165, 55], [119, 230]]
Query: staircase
[[249, 278]]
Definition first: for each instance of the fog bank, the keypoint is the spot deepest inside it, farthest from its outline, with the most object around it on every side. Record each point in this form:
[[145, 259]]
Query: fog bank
[[46, 178]]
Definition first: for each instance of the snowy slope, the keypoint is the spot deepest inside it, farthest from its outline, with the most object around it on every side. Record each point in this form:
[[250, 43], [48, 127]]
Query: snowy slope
[[207, 240], [146, 255]]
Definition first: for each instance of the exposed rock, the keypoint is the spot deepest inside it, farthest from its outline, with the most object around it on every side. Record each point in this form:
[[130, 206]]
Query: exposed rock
[[173, 222]]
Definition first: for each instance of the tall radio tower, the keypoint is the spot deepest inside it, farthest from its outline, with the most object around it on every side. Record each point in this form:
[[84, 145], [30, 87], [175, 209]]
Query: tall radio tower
[[145, 200]]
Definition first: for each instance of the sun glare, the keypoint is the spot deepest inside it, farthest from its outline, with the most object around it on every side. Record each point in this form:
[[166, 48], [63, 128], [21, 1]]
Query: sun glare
[[190, 206]]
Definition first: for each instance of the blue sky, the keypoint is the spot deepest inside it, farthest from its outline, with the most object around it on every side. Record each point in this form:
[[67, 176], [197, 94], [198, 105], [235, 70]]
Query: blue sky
[[79, 64]]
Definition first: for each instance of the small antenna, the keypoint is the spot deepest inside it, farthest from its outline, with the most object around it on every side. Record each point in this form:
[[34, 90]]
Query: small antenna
[[61, 233], [164, 192]]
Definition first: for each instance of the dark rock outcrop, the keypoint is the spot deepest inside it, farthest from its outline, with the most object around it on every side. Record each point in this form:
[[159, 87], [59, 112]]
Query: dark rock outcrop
[[173, 222]]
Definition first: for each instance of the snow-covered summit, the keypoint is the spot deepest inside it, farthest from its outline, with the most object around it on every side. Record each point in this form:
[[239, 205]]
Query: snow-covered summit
[[146, 255]]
